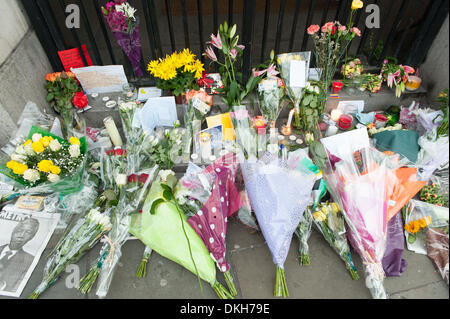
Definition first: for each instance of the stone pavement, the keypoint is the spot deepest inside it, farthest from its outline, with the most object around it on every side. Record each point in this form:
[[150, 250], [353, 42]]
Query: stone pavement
[[250, 260], [253, 271]]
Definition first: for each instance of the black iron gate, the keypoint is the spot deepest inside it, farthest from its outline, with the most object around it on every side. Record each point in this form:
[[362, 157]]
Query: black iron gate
[[407, 28]]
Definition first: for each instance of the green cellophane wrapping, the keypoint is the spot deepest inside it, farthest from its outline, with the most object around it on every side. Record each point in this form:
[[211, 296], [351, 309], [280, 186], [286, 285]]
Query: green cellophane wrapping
[[67, 185], [163, 232]]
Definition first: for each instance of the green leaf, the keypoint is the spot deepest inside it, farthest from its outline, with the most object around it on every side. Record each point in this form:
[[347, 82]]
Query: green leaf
[[155, 205], [233, 89], [313, 103], [168, 196], [50, 97], [307, 100]]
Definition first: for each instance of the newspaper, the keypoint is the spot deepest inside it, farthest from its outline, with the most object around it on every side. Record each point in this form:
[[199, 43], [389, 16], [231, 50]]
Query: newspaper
[[24, 235]]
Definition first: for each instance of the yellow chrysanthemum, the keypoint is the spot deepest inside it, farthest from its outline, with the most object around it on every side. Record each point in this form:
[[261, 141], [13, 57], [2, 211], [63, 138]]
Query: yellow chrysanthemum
[[46, 140], [38, 147], [74, 141], [12, 164], [28, 142], [55, 170], [20, 169], [45, 166]]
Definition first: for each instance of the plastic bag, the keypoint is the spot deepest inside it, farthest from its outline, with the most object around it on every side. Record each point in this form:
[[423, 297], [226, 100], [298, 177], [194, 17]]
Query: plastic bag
[[437, 250], [432, 155]]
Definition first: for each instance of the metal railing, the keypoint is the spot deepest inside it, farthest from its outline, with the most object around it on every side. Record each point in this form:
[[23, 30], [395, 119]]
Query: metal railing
[[407, 28]]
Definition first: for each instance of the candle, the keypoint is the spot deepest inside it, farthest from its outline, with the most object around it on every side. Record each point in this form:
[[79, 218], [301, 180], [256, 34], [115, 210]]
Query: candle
[[205, 146], [335, 115], [345, 122], [112, 131], [286, 130], [291, 115]]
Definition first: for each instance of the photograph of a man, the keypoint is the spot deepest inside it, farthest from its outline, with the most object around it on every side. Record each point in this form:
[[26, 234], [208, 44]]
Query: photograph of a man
[[14, 260]]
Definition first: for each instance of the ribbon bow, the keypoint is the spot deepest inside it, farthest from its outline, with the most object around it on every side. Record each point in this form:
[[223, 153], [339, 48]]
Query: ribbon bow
[[205, 81]]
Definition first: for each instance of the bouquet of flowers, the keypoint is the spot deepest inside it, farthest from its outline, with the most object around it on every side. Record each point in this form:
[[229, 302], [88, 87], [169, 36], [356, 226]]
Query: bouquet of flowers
[[291, 65], [352, 69], [330, 45], [442, 130], [311, 109], [234, 89], [163, 227], [271, 92], [167, 146], [79, 238], [61, 88], [330, 222], [419, 218], [279, 190], [124, 25], [138, 141], [198, 105], [208, 198], [357, 180], [372, 82], [431, 194], [303, 230], [396, 75], [177, 72], [47, 163], [131, 190], [245, 131]]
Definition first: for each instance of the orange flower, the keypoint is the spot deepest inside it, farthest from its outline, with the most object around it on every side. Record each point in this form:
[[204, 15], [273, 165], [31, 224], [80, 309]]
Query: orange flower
[[70, 74], [51, 77], [422, 222]]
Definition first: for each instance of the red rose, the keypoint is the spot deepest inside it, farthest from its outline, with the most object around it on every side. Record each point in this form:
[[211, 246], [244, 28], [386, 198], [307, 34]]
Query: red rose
[[80, 100], [132, 178], [110, 152], [118, 152], [143, 178]]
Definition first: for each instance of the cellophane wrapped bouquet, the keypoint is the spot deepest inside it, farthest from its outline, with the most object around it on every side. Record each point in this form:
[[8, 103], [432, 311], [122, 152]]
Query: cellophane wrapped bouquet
[[208, 198], [46, 163], [329, 220], [131, 189], [78, 239], [164, 228], [357, 180], [198, 105], [279, 191], [290, 65]]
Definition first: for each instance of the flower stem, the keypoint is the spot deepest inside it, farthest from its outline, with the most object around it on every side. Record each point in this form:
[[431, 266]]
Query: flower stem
[[280, 284], [230, 283], [221, 291]]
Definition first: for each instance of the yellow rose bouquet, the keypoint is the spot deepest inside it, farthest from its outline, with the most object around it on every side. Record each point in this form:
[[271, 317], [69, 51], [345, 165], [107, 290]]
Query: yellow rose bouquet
[[47, 161]]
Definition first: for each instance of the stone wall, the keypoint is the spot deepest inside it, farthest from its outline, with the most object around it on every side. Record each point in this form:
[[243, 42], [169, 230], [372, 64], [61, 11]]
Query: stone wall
[[434, 72], [23, 65]]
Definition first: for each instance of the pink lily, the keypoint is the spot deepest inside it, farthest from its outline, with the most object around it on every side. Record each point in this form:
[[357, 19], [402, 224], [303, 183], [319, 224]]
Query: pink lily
[[216, 41], [407, 69], [209, 52], [234, 52]]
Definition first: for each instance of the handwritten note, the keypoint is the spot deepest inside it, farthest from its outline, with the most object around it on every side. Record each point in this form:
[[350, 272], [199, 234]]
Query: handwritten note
[[101, 79], [297, 73], [158, 111], [72, 58]]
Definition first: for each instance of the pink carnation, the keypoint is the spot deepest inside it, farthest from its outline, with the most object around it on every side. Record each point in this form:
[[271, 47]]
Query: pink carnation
[[314, 28], [342, 28], [356, 31], [327, 27]]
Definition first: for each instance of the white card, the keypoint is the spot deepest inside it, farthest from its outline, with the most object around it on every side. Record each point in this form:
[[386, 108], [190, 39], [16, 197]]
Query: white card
[[158, 111], [314, 74], [297, 73], [351, 107], [101, 79], [145, 93]]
